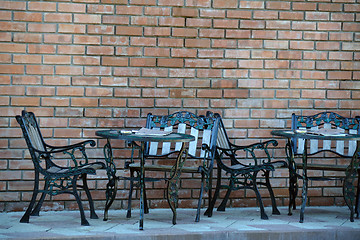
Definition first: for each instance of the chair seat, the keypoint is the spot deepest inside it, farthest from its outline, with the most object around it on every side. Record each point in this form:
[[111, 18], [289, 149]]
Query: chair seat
[[163, 168], [279, 164], [59, 170], [322, 167]]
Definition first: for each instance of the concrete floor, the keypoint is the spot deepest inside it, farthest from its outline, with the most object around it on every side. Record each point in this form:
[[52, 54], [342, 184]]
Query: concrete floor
[[328, 223]]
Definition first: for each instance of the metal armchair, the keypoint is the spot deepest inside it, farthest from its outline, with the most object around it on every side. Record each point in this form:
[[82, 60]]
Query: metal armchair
[[243, 164], [57, 179]]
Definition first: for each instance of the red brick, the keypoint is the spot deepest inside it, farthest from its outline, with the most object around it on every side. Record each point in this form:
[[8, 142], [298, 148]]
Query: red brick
[[236, 73], [222, 23], [70, 91], [184, 12], [276, 64], [165, 42], [341, 36], [302, 45], [212, 13], [302, 64], [197, 83], [197, 43], [151, 72], [103, 71], [27, 16], [225, 4], [261, 34], [236, 93], [142, 82], [165, 82], [184, 73], [239, 14], [65, 70], [25, 101], [206, 93], [112, 102], [39, 70], [174, 22], [237, 53], [142, 62], [313, 94], [12, 69], [84, 102], [292, 74], [12, 26], [184, 32], [97, 29], [339, 75], [261, 73], [195, 103], [291, 15], [197, 63], [329, 26], [88, 60], [250, 43], [304, 6], [224, 63], [220, 43], [208, 73], [202, 23]]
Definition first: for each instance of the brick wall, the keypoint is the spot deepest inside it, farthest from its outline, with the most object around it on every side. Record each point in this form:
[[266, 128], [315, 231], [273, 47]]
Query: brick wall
[[84, 65]]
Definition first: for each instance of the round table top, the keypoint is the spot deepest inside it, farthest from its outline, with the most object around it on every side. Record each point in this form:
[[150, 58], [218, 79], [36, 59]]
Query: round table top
[[313, 135], [172, 137]]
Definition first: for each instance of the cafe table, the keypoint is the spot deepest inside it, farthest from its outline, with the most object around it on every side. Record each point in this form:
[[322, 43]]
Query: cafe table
[[350, 172], [132, 136]]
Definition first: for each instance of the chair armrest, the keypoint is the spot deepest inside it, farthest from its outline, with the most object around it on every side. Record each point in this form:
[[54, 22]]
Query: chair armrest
[[68, 147], [250, 149], [69, 150]]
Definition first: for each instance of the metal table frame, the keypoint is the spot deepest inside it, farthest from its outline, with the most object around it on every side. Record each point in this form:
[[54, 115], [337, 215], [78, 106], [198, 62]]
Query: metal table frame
[[172, 181], [350, 173]]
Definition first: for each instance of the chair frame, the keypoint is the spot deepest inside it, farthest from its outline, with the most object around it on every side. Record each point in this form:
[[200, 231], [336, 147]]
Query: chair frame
[[58, 179], [243, 175], [200, 123], [296, 149]]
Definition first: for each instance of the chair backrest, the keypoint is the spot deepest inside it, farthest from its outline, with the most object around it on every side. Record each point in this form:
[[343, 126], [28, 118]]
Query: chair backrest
[[254, 154], [32, 134], [224, 142], [203, 128], [325, 120]]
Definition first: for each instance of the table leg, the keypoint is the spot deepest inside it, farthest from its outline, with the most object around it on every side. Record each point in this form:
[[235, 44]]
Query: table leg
[[142, 185], [293, 187], [305, 182], [350, 176], [111, 186], [173, 181]]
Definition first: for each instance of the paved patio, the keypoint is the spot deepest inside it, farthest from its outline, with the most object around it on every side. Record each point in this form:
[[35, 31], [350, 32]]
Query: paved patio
[[236, 223]]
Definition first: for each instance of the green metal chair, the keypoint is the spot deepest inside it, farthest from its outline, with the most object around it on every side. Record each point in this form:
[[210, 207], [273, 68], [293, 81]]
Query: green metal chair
[[339, 148], [58, 179], [243, 164], [200, 154]]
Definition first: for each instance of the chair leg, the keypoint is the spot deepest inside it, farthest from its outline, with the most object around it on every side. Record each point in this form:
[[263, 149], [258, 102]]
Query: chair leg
[[209, 210], [36, 210], [91, 202], [25, 218], [275, 210], [146, 206], [222, 205], [258, 197], [111, 189], [131, 188], [84, 222], [197, 217], [357, 196]]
